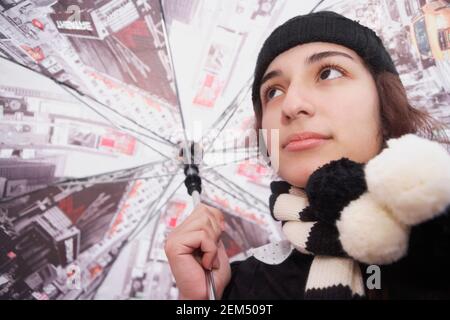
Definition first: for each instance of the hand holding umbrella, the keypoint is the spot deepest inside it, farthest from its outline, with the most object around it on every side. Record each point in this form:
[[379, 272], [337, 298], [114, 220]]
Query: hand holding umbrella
[[195, 246]]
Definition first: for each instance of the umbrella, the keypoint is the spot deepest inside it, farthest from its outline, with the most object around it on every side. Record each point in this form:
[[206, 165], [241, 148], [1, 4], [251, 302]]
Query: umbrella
[[101, 104], [90, 155]]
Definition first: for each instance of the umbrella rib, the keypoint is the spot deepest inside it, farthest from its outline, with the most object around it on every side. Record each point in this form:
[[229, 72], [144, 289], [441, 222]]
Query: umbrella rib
[[150, 213], [125, 171], [172, 67], [65, 86], [120, 126], [230, 162], [234, 104], [158, 213], [145, 217], [163, 140], [128, 240], [317, 5], [154, 212], [56, 184], [93, 291], [237, 192], [239, 188], [225, 191], [230, 115], [118, 180], [238, 195], [232, 150]]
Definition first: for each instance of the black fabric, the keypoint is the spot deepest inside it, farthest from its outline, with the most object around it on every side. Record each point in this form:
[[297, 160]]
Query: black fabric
[[425, 272], [324, 240], [322, 26], [331, 293], [333, 186], [253, 279]]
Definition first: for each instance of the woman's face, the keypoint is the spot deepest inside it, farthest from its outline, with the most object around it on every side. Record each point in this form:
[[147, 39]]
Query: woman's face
[[324, 103]]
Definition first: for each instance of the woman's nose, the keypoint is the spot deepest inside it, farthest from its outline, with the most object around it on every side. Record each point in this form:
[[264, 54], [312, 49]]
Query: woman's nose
[[296, 104]]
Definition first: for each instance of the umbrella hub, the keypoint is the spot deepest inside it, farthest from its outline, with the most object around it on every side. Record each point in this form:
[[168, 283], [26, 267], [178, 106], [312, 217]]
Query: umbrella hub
[[191, 155], [190, 152]]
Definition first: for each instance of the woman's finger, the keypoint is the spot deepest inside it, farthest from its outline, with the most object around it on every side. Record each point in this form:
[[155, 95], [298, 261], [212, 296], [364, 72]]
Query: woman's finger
[[208, 247], [201, 223]]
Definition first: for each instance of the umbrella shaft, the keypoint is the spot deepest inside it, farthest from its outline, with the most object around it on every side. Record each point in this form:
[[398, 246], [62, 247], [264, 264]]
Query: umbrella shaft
[[209, 275], [196, 198]]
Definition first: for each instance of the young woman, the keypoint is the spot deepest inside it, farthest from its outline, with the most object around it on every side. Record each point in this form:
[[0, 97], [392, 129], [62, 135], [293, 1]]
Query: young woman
[[359, 188]]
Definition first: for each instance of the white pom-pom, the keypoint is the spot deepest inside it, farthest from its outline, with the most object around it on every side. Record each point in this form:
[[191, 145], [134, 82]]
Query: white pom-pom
[[411, 177], [369, 234]]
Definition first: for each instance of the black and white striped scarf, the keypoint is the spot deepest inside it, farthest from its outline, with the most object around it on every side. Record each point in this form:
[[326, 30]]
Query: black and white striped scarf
[[350, 212], [332, 275]]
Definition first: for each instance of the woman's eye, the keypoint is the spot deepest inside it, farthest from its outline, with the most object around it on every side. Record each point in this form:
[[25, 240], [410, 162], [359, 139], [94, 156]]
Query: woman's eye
[[330, 73], [273, 93]]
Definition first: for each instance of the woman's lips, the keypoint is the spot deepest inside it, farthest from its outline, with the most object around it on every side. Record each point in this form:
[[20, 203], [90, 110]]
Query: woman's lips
[[304, 144]]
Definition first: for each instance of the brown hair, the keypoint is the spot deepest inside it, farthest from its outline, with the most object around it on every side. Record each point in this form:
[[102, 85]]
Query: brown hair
[[398, 117]]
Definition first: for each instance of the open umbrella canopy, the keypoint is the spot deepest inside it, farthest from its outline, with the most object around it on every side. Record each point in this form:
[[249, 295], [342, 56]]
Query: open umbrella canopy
[[98, 97]]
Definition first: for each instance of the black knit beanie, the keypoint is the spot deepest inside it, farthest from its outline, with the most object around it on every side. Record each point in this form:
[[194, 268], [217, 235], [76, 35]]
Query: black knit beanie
[[322, 26]]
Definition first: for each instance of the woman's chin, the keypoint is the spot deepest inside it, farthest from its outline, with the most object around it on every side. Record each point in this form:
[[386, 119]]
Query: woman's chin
[[298, 172], [297, 176]]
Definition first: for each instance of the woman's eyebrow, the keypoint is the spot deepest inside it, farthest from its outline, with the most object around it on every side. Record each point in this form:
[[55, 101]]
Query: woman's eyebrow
[[316, 57], [270, 75]]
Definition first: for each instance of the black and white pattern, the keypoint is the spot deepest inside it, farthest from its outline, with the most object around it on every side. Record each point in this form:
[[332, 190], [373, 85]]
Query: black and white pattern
[[351, 212], [332, 275]]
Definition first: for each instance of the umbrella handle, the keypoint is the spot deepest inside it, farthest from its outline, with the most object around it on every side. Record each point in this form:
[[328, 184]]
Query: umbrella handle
[[211, 287]]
